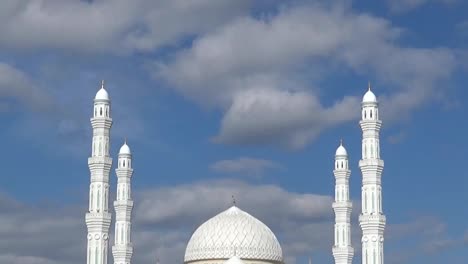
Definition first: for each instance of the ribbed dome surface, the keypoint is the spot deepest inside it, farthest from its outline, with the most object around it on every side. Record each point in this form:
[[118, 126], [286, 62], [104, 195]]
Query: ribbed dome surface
[[233, 232]]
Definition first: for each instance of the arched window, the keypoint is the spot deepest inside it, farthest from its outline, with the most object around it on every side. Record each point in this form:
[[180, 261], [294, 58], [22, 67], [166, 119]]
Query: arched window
[[107, 111], [105, 200], [373, 200], [96, 255], [371, 113], [98, 205], [343, 238], [100, 111], [121, 234], [365, 201], [365, 114], [91, 199]]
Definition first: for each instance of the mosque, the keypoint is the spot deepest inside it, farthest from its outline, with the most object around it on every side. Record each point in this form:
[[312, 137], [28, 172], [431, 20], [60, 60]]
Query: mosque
[[233, 236]]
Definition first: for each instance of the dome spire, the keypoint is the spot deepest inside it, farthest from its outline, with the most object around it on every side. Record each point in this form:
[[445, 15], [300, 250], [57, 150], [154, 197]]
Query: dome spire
[[125, 149], [233, 200], [102, 93], [369, 96]]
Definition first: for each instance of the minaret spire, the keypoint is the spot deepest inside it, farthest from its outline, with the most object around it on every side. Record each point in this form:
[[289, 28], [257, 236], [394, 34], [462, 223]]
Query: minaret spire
[[342, 250], [372, 220], [123, 249], [98, 217]]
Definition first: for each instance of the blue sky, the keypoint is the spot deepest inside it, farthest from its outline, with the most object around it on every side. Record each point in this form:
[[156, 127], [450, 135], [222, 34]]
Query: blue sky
[[234, 97]]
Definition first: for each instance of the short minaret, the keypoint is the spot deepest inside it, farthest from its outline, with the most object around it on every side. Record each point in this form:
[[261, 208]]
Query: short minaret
[[123, 249], [342, 250], [98, 218], [372, 220]]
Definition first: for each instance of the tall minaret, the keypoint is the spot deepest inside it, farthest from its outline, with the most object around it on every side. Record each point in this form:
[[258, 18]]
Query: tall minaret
[[342, 250], [372, 220], [98, 218], [122, 249]]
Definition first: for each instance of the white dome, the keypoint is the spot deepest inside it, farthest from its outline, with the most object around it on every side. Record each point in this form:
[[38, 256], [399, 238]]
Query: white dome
[[341, 151], [125, 149], [102, 94], [369, 97], [233, 232], [234, 260]]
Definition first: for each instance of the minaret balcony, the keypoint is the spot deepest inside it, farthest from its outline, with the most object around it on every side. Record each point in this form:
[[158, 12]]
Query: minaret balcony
[[344, 205], [370, 222]]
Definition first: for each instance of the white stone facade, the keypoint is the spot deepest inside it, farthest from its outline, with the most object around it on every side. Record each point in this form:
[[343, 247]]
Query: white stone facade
[[234, 236], [98, 217], [123, 249], [233, 233], [342, 250], [372, 220]]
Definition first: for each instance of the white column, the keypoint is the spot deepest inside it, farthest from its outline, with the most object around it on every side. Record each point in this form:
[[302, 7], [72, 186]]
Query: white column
[[98, 218], [372, 220], [342, 250], [123, 249]]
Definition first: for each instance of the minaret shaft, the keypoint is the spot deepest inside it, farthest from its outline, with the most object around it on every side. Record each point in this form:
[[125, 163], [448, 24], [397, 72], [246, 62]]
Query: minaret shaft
[[123, 249], [342, 250], [372, 220], [98, 217]]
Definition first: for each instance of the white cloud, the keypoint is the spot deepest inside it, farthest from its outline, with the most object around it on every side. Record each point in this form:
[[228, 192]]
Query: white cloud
[[109, 26], [261, 116], [16, 85], [266, 73], [164, 219], [401, 6], [244, 166]]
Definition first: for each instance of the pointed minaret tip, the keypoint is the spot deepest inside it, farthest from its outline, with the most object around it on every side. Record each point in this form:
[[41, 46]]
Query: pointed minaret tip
[[102, 84], [233, 200], [368, 85], [310, 260], [341, 141]]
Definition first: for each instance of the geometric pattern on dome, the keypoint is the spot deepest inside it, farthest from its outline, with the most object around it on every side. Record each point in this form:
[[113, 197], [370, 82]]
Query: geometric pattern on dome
[[233, 232]]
